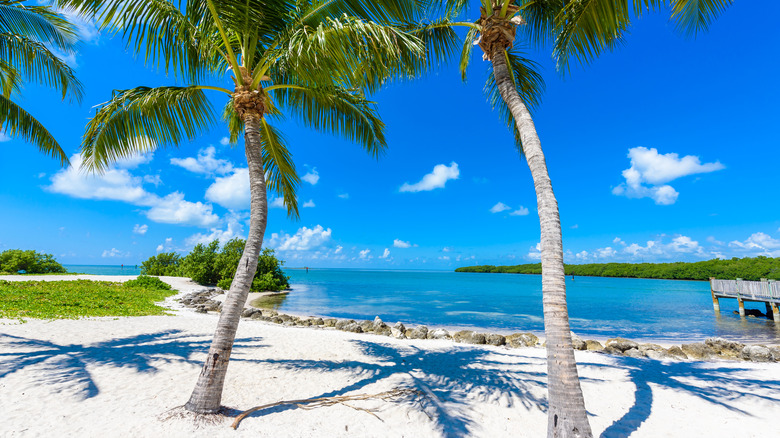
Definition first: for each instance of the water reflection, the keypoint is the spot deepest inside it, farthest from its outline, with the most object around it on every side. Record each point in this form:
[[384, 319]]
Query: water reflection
[[272, 301]]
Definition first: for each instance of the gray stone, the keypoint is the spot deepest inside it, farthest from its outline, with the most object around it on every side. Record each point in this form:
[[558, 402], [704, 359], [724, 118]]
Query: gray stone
[[259, 316], [249, 311], [398, 331], [439, 334], [593, 345], [275, 320], [725, 348], [469, 337], [657, 354], [378, 323], [697, 351], [383, 330], [353, 327], [317, 321], [518, 340], [677, 353], [621, 344], [201, 309], [343, 323], [757, 353], [304, 322], [285, 318], [577, 343], [610, 349], [775, 353], [650, 347], [330, 322], [634, 352], [495, 339], [367, 326], [420, 332], [270, 312]]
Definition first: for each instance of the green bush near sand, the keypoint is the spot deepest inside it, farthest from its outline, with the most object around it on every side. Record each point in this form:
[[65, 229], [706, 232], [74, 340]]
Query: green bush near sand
[[748, 268], [210, 265], [146, 282], [78, 298], [13, 261]]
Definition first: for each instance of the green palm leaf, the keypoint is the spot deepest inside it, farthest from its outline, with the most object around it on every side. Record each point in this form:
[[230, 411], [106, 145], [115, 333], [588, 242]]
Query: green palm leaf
[[279, 168], [15, 121], [143, 118], [36, 22]]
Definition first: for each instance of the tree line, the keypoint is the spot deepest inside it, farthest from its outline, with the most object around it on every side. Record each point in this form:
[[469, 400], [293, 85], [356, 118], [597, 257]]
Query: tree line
[[747, 268]]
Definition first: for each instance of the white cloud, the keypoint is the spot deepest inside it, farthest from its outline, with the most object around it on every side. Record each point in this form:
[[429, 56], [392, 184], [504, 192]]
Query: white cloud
[[650, 171], [309, 204], [277, 203], [232, 230], [499, 207], [153, 179], [140, 229], [113, 253], [758, 244], [574, 227], [385, 254], [398, 243], [135, 160], [205, 163], [117, 184], [166, 245], [446, 249], [522, 211], [338, 249], [434, 180], [173, 209], [364, 254], [4, 137], [231, 191], [535, 253], [312, 176], [224, 141], [343, 196], [303, 240], [445, 258]]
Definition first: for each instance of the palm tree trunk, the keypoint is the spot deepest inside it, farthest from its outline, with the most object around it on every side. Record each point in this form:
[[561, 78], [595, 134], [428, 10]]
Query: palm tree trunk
[[567, 416], [206, 398]]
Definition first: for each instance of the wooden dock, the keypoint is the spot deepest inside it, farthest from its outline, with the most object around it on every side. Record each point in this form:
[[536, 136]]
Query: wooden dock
[[764, 291]]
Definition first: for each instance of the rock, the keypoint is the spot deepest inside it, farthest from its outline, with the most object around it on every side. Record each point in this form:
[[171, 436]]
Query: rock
[[469, 337], [249, 311], [420, 332], [270, 312], [330, 322], [621, 344], [353, 327], [201, 309], [378, 323], [676, 352], [285, 318], [775, 353], [754, 313], [276, 320], [439, 334], [383, 330], [289, 322], [259, 316], [725, 348], [367, 326], [343, 323], [495, 339], [578, 343], [610, 349], [518, 340], [697, 351], [317, 321], [657, 354], [398, 331], [650, 347], [304, 322], [593, 345], [757, 353], [634, 352]]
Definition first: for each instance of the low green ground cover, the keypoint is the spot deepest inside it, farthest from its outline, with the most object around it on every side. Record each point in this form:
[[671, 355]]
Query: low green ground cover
[[80, 298]]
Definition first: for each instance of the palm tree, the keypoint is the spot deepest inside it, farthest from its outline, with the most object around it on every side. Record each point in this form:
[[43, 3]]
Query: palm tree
[[26, 35], [309, 59], [580, 29]]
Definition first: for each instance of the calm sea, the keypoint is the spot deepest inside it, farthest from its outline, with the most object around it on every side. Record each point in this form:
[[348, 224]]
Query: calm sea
[[104, 269], [663, 310]]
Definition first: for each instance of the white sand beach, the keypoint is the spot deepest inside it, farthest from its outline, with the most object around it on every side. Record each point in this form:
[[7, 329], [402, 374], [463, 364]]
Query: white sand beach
[[121, 377]]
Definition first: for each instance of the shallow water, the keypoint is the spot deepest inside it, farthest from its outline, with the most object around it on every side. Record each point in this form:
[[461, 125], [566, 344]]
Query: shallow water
[[664, 310], [104, 269]]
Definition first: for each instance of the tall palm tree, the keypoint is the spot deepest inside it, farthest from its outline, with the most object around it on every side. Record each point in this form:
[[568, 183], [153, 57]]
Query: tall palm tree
[[310, 59], [580, 30], [27, 36]]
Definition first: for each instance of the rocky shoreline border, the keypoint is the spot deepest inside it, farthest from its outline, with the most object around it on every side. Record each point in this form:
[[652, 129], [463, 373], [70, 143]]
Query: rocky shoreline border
[[711, 349]]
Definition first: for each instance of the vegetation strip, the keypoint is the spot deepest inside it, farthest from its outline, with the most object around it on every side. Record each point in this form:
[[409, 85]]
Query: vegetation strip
[[747, 268]]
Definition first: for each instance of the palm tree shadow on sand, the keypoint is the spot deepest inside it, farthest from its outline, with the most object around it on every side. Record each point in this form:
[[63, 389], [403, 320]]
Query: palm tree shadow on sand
[[66, 365], [449, 380], [705, 380]]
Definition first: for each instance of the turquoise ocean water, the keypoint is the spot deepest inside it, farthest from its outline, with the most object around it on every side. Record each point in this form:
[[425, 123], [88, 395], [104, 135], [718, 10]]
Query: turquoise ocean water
[[664, 310]]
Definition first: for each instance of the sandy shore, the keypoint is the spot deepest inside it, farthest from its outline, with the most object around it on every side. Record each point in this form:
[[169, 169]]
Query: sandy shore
[[122, 376]]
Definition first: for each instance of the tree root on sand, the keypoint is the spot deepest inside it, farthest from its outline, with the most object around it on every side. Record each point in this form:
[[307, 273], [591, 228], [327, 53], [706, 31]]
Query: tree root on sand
[[319, 402]]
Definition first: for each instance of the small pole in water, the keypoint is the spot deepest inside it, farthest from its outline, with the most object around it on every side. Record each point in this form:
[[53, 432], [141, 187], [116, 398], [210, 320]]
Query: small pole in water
[[306, 268]]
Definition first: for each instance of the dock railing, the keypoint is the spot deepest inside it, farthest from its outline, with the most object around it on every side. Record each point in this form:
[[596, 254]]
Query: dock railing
[[765, 291]]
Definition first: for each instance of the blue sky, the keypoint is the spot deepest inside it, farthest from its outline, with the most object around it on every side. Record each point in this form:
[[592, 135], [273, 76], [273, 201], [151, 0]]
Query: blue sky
[[665, 150]]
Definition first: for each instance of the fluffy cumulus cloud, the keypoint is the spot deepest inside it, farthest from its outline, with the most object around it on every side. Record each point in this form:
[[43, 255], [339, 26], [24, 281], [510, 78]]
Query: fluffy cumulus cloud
[[501, 207], [232, 229], [205, 163], [311, 177], [650, 171], [385, 254], [305, 239], [118, 184], [365, 254], [140, 229], [758, 244], [398, 243], [166, 246], [309, 204], [434, 180], [114, 253], [521, 211], [231, 191]]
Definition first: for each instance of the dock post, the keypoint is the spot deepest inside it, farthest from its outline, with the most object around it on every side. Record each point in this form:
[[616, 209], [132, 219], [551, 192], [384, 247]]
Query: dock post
[[715, 302], [773, 305], [739, 299]]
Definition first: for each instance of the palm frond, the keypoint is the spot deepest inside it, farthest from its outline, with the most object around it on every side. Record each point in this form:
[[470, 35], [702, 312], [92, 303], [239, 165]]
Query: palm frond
[[34, 61], [439, 39], [690, 16], [38, 23], [540, 18], [528, 83], [141, 119], [10, 79], [338, 111], [584, 29], [468, 47], [279, 167], [15, 121]]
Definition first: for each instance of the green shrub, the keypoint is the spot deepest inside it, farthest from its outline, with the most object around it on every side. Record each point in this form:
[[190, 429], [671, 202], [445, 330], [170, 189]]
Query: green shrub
[[30, 262], [165, 263], [199, 264], [150, 283]]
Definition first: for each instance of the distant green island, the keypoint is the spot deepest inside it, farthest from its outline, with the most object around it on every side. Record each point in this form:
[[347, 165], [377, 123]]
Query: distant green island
[[748, 268]]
